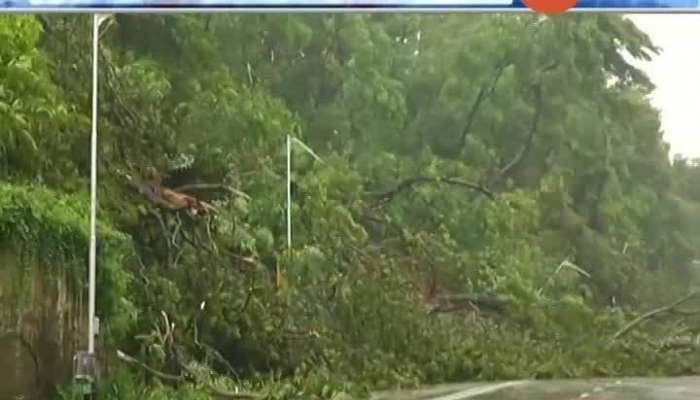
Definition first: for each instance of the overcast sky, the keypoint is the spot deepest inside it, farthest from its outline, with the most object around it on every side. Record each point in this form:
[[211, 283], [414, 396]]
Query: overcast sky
[[676, 74]]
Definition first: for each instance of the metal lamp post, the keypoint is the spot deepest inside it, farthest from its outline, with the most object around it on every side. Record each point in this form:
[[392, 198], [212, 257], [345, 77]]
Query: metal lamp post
[[84, 362], [291, 141]]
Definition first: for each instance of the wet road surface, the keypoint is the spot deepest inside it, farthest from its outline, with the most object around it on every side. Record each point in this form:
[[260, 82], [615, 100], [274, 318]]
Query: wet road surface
[[599, 389]]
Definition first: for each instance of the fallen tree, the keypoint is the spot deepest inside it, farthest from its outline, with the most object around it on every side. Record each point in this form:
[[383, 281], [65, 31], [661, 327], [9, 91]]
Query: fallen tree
[[214, 391], [668, 309]]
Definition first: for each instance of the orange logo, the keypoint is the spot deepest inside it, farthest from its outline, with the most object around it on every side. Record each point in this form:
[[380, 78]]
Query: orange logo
[[550, 6]]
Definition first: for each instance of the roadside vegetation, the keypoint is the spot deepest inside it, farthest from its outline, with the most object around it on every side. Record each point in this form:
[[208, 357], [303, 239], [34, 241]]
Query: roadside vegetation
[[489, 197]]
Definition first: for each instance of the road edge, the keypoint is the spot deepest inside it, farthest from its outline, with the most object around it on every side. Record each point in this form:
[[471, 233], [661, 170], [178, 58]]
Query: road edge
[[481, 390]]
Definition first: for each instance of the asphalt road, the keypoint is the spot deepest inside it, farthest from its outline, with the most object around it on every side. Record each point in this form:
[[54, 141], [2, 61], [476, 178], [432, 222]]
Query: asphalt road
[[602, 389]]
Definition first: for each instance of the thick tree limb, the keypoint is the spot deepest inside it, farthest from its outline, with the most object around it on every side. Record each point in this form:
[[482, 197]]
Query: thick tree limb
[[387, 196], [671, 308]]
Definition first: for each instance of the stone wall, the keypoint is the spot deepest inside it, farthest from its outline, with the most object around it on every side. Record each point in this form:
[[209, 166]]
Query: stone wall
[[42, 325]]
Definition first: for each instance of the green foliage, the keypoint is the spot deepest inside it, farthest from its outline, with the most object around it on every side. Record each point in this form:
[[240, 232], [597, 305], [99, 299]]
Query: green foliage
[[457, 162], [38, 128], [51, 229]]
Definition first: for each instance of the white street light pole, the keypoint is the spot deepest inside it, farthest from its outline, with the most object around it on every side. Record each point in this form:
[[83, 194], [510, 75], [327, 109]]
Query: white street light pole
[[290, 141], [92, 322], [289, 192]]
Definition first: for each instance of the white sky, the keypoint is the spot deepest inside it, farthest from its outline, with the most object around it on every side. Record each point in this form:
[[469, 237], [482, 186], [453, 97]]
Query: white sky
[[676, 74]]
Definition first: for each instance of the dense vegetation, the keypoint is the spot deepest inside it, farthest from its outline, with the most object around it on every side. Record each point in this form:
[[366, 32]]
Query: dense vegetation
[[493, 198]]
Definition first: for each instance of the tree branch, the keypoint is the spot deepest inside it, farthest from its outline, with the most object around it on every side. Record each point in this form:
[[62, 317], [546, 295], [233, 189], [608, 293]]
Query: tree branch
[[671, 308], [387, 196], [487, 89], [213, 390], [534, 124], [685, 313], [179, 378], [162, 375], [508, 168]]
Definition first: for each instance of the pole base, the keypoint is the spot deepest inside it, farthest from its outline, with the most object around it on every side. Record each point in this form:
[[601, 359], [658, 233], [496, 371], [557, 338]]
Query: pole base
[[85, 375]]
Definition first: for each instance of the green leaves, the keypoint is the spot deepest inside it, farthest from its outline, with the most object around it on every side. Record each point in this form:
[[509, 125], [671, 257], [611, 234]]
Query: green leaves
[[37, 128], [50, 230], [579, 173]]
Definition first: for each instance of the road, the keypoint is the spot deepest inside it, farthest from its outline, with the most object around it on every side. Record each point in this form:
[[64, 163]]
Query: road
[[602, 389]]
